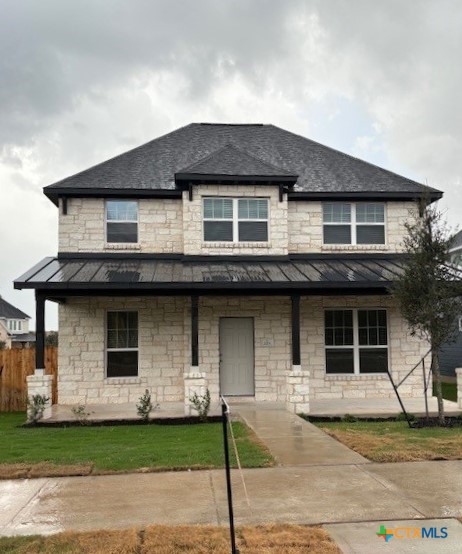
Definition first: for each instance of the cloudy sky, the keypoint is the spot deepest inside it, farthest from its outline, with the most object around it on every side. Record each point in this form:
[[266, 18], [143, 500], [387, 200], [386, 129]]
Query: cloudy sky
[[83, 80]]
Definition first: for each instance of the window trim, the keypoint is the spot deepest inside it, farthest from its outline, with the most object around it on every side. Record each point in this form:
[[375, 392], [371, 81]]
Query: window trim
[[235, 219], [106, 349], [106, 221], [353, 224], [356, 346]]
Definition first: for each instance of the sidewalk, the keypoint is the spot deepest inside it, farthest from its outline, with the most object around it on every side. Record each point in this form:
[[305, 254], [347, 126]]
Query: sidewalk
[[306, 495]]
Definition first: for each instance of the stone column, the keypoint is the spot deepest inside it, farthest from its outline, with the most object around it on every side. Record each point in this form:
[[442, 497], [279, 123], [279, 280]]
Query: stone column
[[40, 385], [194, 382], [459, 387], [298, 390]]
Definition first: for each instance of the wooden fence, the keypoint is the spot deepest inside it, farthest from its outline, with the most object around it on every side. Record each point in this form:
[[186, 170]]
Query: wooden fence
[[15, 365]]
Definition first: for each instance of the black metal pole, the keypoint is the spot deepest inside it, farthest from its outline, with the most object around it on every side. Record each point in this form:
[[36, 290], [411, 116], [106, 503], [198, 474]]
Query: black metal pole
[[39, 331], [425, 387], [399, 399], [228, 479]]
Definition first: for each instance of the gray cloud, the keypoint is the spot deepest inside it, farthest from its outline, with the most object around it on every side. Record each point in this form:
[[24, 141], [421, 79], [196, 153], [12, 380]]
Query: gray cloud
[[81, 81]]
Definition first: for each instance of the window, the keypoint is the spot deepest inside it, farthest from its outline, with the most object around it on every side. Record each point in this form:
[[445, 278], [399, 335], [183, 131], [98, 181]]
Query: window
[[122, 344], [122, 221], [235, 219], [14, 325], [356, 341], [361, 223]]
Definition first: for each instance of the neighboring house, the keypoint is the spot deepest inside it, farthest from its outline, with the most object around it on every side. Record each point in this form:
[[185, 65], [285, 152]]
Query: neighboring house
[[451, 354], [14, 326], [242, 258]]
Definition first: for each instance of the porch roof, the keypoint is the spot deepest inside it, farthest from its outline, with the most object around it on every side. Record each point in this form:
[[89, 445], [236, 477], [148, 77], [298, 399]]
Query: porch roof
[[156, 274]]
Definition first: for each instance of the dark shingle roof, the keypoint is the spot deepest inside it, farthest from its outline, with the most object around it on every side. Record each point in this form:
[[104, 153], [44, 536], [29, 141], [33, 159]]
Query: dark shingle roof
[[231, 161], [153, 165], [8, 311]]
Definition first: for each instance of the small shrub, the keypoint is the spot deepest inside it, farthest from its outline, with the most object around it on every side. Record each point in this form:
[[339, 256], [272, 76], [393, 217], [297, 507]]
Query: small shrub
[[402, 417], [201, 404], [348, 418], [80, 414], [145, 406], [36, 405]]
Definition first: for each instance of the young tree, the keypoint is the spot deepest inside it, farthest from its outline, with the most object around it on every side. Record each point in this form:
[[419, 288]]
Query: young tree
[[428, 289]]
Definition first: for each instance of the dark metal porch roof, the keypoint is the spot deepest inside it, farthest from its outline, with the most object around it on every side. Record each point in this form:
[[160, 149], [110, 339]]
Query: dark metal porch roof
[[308, 274]]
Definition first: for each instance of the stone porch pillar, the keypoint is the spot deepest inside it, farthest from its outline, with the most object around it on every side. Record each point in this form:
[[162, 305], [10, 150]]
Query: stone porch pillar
[[194, 379], [297, 380], [459, 387], [39, 383]]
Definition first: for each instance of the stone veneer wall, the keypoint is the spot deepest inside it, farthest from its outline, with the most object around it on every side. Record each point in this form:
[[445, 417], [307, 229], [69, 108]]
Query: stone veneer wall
[[164, 342], [192, 221], [404, 352], [160, 227], [81, 362], [306, 232]]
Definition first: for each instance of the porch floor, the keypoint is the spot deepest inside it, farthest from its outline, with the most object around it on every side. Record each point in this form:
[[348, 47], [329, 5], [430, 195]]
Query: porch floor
[[361, 407], [378, 407]]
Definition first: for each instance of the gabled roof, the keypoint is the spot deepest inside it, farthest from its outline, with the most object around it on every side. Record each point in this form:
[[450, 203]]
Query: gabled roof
[[230, 162], [456, 243], [151, 168], [8, 311]]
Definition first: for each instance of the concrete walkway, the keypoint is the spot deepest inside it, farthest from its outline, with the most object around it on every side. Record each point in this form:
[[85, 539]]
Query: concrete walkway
[[361, 538], [305, 495], [292, 440]]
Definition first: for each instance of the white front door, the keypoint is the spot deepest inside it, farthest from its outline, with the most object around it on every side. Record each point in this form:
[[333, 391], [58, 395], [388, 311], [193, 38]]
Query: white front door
[[236, 356]]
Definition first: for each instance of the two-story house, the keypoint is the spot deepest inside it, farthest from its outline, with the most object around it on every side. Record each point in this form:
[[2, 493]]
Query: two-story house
[[14, 326], [242, 258]]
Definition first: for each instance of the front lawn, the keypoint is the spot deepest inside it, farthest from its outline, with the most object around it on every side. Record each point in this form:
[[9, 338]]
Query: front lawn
[[449, 391], [393, 441], [96, 449]]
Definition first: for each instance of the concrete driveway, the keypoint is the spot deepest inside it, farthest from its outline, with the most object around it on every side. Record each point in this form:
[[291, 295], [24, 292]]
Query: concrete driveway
[[312, 494]]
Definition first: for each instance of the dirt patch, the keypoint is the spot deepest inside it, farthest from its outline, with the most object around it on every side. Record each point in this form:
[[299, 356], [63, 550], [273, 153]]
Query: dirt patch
[[162, 539]]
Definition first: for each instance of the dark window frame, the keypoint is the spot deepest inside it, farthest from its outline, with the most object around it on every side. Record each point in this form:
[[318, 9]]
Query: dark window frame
[[108, 221], [236, 220], [353, 224], [108, 350], [354, 347]]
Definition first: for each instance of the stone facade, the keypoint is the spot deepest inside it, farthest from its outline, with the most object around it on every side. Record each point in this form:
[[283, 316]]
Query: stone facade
[[175, 226], [165, 351], [306, 231], [193, 230], [160, 227]]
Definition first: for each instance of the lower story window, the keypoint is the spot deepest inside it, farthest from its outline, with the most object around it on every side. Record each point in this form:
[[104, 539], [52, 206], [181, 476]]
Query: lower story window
[[356, 341], [122, 344]]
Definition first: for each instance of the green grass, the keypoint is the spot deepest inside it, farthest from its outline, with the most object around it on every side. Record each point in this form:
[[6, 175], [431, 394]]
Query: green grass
[[125, 447], [449, 391], [394, 441]]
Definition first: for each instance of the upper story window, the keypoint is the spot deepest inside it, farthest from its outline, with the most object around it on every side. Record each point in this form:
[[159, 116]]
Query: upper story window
[[235, 219], [347, 223], [121, 221], [14, 325], [356, 341]]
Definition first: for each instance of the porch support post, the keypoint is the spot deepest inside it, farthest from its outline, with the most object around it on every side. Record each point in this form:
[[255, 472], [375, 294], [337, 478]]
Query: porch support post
[[39, 333], [298, 379], [39, 384], [295, 329], [194, 330], [194, 380], [459, 386]]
